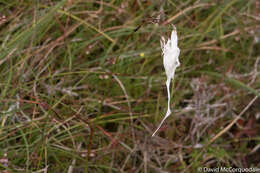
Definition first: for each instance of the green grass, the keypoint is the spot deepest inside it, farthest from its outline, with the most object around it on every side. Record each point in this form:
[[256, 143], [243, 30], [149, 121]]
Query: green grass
[[81, 91]]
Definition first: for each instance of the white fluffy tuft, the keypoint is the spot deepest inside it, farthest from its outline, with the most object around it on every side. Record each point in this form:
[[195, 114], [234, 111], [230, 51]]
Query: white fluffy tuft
[[170, 52]]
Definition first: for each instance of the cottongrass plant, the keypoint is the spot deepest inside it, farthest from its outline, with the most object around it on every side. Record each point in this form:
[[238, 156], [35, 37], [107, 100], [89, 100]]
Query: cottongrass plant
[[170, 52]]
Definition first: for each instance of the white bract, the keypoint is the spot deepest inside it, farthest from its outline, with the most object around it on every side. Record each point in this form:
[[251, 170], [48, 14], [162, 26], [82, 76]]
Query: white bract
[[170, 52]]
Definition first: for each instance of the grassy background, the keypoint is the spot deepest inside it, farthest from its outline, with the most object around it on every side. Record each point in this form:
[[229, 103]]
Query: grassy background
[[80, 91]]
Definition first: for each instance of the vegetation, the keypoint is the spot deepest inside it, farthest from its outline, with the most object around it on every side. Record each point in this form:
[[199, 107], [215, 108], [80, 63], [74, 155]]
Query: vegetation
[[82, 86]]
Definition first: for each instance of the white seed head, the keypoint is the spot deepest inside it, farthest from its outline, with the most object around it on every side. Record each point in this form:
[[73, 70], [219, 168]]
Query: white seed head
[[171, 53]]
